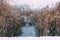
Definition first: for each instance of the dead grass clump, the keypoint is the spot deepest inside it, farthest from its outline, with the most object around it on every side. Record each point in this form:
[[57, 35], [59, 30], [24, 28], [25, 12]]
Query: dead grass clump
[[48, 23], [9, 25]]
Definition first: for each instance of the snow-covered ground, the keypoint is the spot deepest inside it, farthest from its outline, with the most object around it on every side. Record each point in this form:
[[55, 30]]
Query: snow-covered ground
[[28, 31]]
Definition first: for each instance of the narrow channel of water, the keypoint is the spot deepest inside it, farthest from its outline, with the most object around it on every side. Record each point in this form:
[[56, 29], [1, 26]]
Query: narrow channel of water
[[28, 31]]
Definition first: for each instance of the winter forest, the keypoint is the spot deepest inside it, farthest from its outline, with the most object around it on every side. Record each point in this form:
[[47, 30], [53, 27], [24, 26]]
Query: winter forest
[[23, 21]]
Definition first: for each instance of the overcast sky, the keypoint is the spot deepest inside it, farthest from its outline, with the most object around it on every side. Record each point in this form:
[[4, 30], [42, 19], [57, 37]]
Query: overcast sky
[[35, 3]]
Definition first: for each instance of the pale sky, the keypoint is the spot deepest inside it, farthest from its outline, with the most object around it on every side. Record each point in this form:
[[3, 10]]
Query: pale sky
[[35, 3]]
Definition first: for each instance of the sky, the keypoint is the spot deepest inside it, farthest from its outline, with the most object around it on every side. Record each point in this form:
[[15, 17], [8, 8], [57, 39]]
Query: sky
[[34, 3]]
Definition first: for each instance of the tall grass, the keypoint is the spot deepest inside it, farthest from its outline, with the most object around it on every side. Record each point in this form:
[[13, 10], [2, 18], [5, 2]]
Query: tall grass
[[9, 25], [48, 23]]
